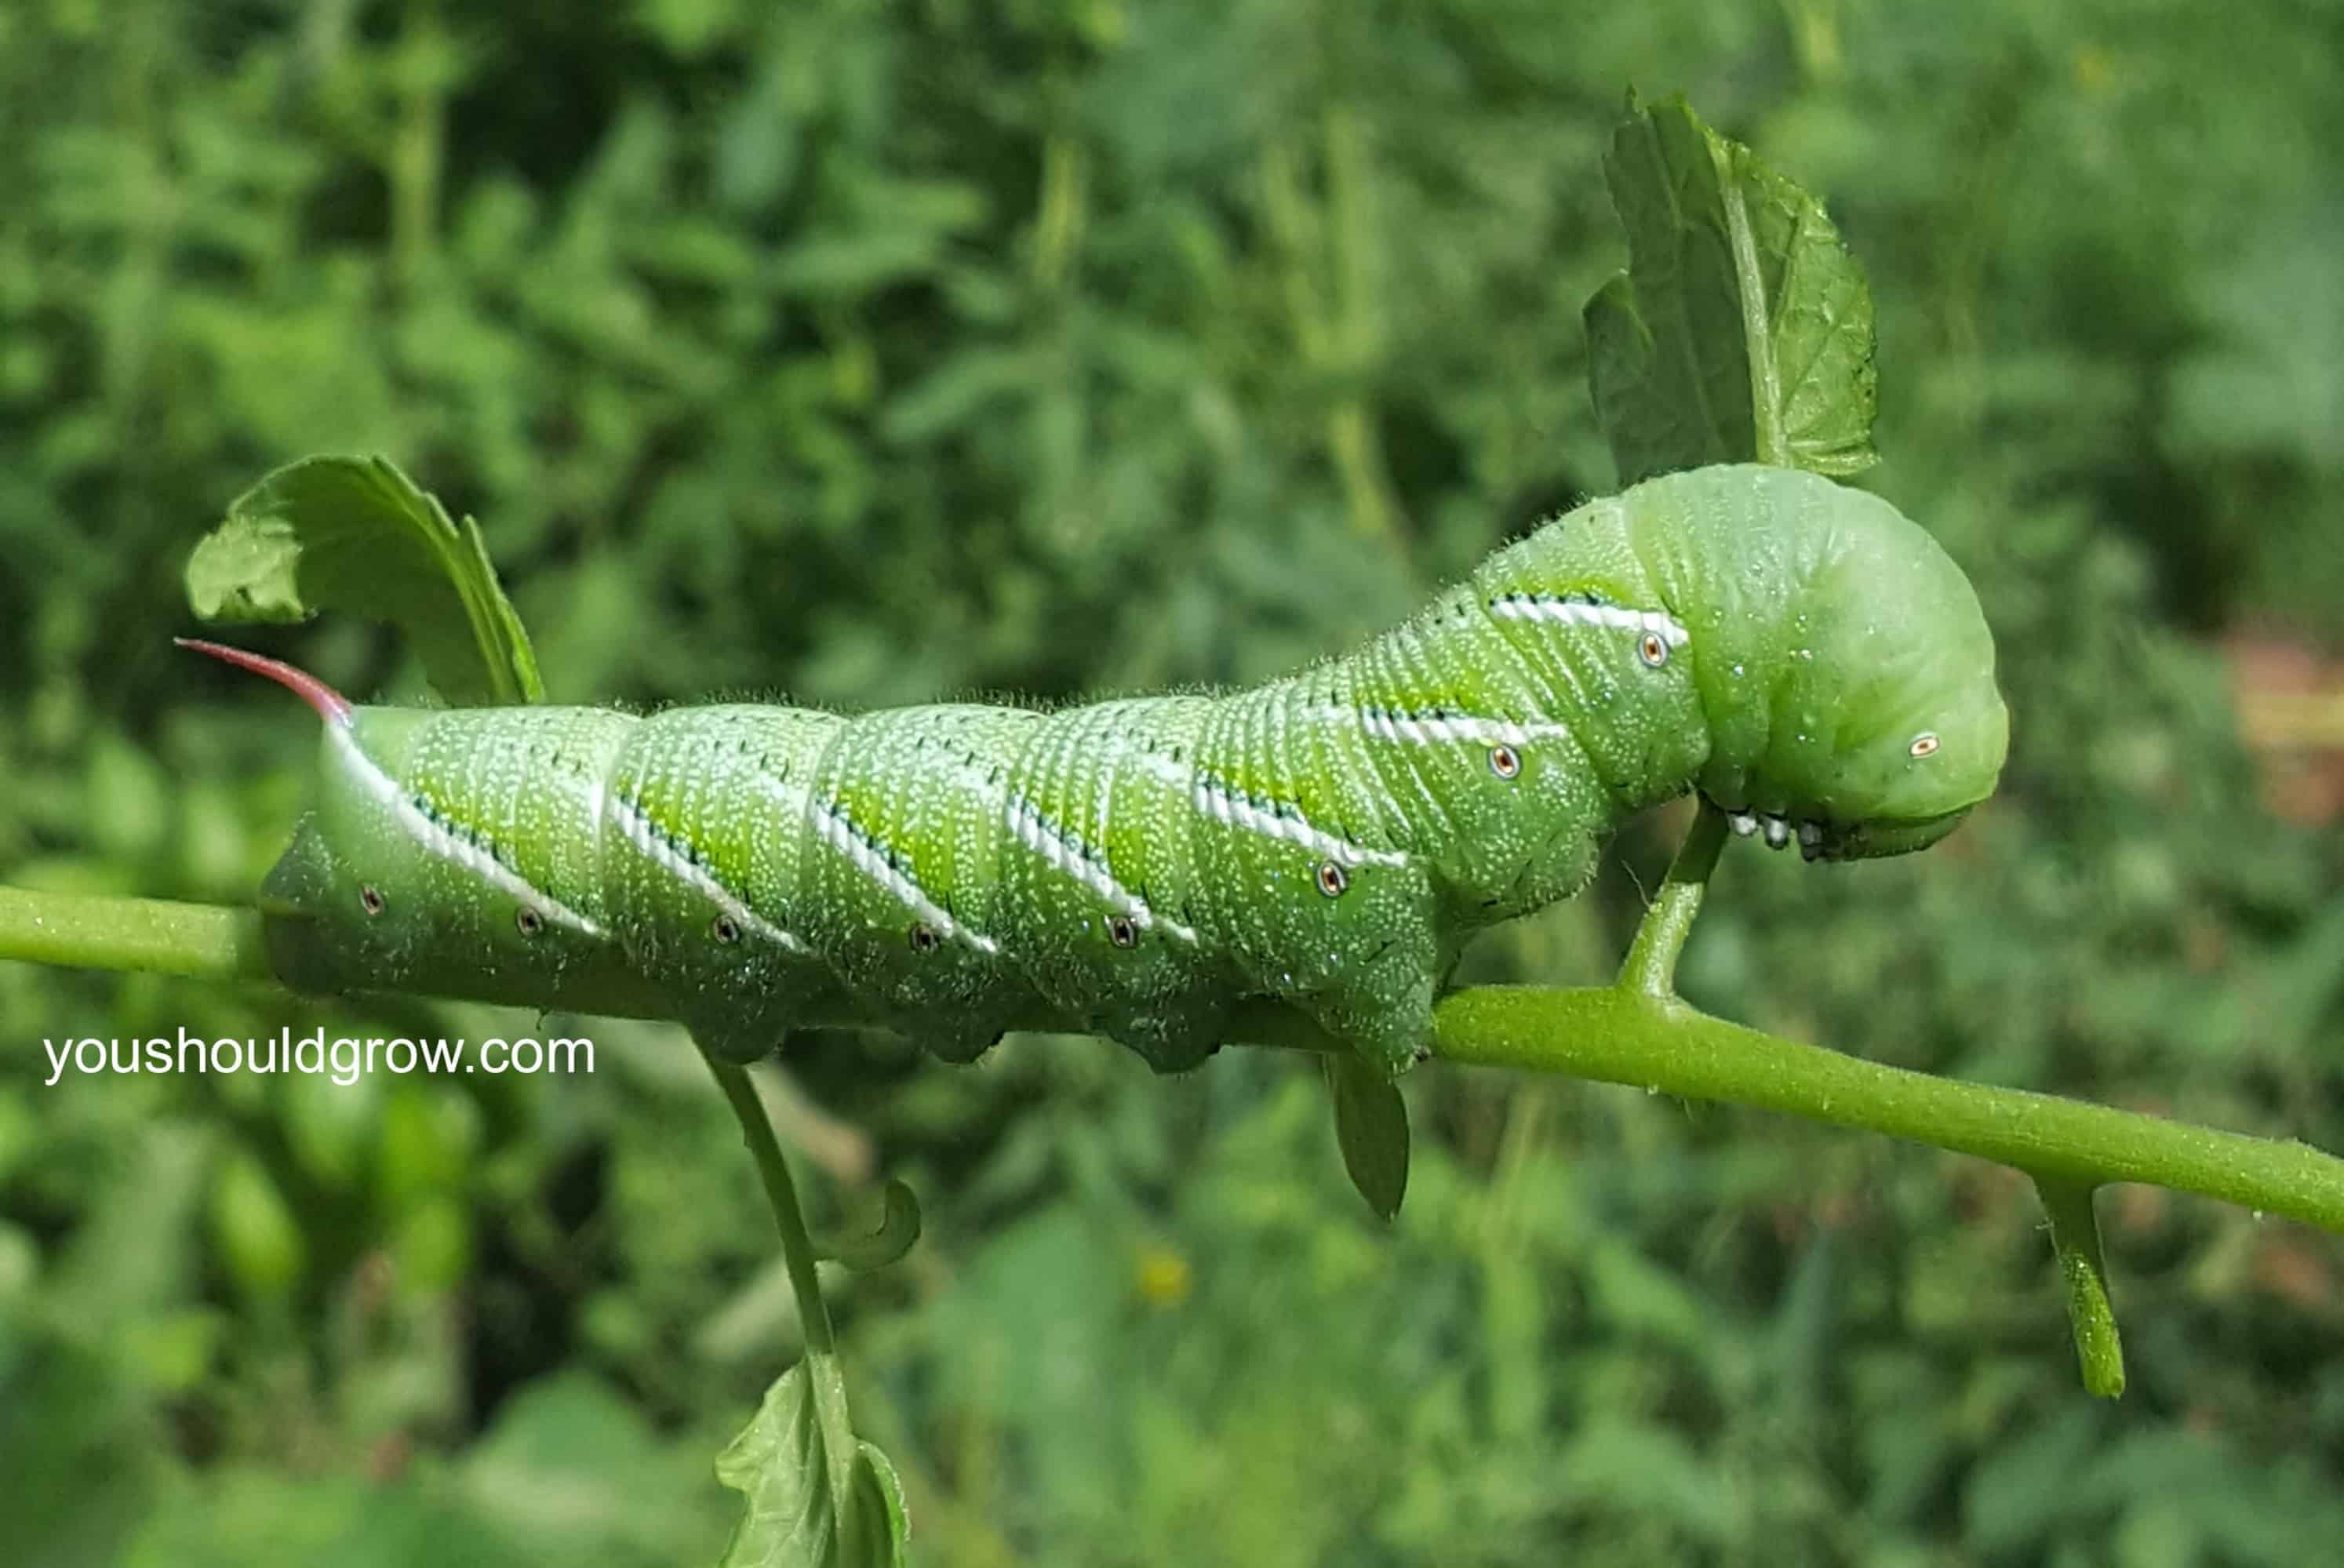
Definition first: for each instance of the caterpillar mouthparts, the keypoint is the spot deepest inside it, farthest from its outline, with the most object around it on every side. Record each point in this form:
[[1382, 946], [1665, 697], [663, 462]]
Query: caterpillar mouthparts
[[1813, 835]]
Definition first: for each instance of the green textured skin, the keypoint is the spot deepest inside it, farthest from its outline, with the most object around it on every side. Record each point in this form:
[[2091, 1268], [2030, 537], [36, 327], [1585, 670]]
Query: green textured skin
[[1784, 645], [507, 786], [716, 796]]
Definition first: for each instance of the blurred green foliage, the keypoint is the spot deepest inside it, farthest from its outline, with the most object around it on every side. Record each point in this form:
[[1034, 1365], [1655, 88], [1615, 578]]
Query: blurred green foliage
[[872, 351]]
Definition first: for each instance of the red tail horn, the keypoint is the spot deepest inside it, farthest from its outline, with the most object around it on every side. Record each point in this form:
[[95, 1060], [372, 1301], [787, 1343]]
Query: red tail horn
[[331, 704]]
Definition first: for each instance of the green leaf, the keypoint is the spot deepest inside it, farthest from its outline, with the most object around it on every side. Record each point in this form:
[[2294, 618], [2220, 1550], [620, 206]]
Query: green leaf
[[1371, 1125], [875, 1509], [1742, 330], [355, 534], [818, 1497], [899, 1227]]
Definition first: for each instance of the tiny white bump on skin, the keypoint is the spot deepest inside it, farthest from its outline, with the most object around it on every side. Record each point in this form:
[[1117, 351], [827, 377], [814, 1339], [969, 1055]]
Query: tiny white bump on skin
[[645, 835], [1579, 612], [1234, 808], [1069, 854], [437, 840], [851, 841]]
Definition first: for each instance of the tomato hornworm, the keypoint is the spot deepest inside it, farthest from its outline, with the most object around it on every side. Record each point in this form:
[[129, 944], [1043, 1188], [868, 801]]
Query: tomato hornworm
[[1799, 652]]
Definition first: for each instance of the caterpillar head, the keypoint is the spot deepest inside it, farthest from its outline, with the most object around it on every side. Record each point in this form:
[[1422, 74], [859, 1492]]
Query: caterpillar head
[[1847, 671]]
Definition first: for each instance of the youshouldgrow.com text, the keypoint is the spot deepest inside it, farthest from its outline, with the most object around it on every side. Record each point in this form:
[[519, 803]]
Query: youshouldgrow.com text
[[344, 1058]]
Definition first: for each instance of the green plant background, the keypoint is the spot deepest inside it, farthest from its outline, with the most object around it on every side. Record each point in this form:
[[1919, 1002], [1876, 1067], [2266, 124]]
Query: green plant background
[[870, 352]]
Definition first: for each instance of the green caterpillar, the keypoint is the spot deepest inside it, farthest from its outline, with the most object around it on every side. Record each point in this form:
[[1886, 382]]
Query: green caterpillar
[[1801, 654]]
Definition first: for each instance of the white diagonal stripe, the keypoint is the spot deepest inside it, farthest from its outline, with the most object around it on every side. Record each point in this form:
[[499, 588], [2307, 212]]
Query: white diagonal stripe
[[1439, 728], [647, 835], [1235, 808], [457, 849], [1577, 612], [1069, 854], [871, 860]]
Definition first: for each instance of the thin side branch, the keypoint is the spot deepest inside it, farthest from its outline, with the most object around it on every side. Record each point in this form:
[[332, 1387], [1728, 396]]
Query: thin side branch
[[781, 1196], [1651, 966], [2076, 1238]]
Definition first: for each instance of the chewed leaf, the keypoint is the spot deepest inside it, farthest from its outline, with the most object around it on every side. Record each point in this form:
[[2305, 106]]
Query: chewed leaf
[[1371, 1126], [354, 534], [1742, 330], [781, 1464], [898, 1228], [816, 1495]]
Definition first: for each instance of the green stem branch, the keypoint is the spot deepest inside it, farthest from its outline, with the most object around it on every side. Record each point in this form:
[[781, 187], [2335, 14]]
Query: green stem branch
[[781, 1194], [2076, 1238], [1625, 1035], [84, 931], [1651, 966], [1668, 1047]]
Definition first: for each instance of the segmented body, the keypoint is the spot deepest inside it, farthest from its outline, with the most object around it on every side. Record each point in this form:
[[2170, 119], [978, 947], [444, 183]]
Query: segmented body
[[1133, 868]]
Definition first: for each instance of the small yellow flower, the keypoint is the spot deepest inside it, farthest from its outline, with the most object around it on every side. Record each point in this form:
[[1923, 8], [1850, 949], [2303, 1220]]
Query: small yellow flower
[[1163, 1277]]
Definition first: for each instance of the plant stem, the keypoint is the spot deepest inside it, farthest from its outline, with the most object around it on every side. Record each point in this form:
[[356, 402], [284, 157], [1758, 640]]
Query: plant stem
[[2076, 1238], [1612, 1034], [1666, 1047], [85, 931], [1651, 963], [780, 1192]]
